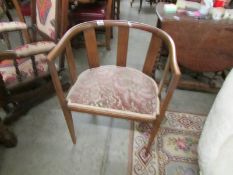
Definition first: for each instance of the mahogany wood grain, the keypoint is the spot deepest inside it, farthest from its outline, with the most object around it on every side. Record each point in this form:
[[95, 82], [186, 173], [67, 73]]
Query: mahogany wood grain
[[203, 45], [122, 46]]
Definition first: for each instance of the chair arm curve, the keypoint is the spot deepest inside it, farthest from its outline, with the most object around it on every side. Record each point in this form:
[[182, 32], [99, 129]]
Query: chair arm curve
[[12, 26], [7, 55]]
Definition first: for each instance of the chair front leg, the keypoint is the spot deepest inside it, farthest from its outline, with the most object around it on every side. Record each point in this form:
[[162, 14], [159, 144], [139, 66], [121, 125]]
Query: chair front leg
[[70, 123], [154, 131]]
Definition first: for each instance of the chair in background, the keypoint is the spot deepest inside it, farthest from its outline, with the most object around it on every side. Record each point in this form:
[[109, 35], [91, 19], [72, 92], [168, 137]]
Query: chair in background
[[116, 91], [97, 10], [140, 4], [25, 7], [24, 77], [7, 137], [4, 10]]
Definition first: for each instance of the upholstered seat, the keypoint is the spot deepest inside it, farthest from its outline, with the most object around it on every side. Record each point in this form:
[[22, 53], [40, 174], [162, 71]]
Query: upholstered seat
[[89, 12], [26, 8], [99, 10], [116, 89]]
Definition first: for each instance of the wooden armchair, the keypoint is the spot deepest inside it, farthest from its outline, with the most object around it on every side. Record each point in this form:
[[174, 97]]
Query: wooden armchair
[[23, 69], [116, 91]]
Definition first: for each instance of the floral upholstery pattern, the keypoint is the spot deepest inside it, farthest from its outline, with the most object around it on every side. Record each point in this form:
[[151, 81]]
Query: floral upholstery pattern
[[45, 18], [34, 48], [9, 75], [43, 9], [118, 88], [11, 26]]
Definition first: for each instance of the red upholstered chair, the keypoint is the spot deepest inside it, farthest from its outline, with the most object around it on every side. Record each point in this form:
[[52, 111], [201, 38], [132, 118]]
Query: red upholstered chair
[[25, 7], [99, 10], [23, 69]]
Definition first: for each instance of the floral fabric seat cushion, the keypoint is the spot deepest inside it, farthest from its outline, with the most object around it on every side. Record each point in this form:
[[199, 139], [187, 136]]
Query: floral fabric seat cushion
[[8, 72], [115, 88]]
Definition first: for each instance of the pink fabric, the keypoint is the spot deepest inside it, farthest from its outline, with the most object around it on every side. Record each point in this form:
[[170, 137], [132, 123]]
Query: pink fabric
[[34, 48], [116, 88], [7, 69]]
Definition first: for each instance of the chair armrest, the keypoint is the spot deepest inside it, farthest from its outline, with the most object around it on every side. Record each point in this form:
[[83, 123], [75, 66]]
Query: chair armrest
[[7, 55], [34, 48], [12, 26], [171, 74]]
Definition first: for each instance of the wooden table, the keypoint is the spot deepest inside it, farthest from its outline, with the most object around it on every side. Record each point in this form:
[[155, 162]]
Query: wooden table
[[203, 45]]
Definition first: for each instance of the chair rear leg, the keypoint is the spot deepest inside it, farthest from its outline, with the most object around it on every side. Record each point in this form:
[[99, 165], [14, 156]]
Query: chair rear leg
[[108, 37], [70, 124]]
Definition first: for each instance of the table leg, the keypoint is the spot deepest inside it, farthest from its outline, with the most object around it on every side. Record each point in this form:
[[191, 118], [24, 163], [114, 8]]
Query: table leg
[[140, 6]]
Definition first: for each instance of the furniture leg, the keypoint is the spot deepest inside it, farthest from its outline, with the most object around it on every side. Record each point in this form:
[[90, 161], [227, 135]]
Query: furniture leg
[[118, 8], [140, 6], [70, 124], [131, 3], [7, 137], [107, 37], [154, 131]]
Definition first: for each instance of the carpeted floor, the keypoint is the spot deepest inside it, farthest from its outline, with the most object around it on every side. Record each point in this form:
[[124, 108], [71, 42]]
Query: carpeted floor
[[175, 149]]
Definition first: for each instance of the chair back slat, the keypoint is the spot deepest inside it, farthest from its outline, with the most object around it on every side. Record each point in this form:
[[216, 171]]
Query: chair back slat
[[71, 63], [122, 46], [91, 47], [22, 19], [152, 53]]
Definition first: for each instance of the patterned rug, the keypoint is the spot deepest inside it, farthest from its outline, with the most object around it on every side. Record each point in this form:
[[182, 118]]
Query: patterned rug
[[174, 151]]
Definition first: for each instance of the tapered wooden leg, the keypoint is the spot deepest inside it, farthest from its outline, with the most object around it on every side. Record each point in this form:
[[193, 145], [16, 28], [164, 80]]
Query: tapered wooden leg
[[70, 124], [154, 131]]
